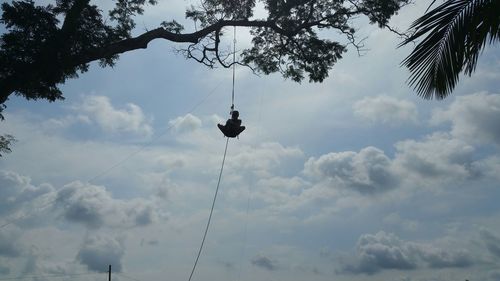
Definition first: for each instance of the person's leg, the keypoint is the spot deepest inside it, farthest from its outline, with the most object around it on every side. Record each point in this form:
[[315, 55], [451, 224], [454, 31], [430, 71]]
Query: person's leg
[[222, 128]]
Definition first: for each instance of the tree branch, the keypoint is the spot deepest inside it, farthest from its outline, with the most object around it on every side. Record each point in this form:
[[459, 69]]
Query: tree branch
[[142, 41], [57, 53]]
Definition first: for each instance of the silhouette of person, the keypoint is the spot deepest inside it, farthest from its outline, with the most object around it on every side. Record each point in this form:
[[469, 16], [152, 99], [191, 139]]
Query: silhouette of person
[[233, 126]]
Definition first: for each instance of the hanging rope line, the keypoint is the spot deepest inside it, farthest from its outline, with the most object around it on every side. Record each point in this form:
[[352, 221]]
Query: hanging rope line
[[211, 212], [234, 66], [222, 166]]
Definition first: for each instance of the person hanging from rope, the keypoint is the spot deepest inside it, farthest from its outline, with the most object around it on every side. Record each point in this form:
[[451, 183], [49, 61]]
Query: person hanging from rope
[[233, 125]]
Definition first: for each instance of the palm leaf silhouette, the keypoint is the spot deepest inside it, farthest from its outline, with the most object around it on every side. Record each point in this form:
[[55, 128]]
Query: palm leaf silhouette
[[457, 31]]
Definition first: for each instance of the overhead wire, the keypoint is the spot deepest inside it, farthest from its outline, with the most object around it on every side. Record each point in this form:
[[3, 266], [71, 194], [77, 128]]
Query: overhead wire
[[11, 221], [127, 277], [151, 141], [128, 157], [117, 164], [49, 275]]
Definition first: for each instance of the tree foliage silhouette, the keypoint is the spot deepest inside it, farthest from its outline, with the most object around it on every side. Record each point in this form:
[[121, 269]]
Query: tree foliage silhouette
[[5, 143], [454, 33], [45, 45]]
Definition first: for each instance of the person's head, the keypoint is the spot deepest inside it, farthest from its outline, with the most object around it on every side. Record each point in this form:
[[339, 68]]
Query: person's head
[[235, 114]]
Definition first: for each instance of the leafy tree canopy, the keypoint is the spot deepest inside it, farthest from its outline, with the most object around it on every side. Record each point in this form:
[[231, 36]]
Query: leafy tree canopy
[[452, 36], [45, 45], [5, 142]]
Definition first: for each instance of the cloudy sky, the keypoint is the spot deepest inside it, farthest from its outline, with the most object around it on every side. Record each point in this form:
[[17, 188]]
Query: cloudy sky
[[356, 178]]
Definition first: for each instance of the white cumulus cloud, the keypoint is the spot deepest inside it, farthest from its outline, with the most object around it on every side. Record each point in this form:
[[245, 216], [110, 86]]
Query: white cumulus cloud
[[385, 109], [130, 119], [437, 157], [16, 191], [474, 118], [186, 123], [383, 251]]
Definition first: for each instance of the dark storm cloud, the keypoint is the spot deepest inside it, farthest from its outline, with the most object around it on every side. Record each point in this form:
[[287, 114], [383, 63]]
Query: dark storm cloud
[[98, 252], [264, 262]]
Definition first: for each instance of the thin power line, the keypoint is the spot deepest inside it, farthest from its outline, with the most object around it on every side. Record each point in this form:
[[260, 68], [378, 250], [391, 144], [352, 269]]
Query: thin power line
[[117, 164], [51, 275], [128, 277], [27, 214]]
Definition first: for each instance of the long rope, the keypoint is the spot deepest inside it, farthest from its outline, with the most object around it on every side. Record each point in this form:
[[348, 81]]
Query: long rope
[[222, 166], [234, 65], [211, 212]]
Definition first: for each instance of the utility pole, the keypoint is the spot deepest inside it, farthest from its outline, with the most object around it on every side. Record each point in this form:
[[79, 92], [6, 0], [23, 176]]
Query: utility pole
[[109, 273]]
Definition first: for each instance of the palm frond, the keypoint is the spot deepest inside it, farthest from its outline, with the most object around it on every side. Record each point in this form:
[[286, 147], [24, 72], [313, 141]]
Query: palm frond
[[455, 33]]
